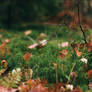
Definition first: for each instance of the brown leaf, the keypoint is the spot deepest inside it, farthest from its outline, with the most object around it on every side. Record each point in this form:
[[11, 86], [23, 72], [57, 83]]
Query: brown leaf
[[77, 90], [27, 32], [42, 35], [63, 53], [27, 56], [77, 52]]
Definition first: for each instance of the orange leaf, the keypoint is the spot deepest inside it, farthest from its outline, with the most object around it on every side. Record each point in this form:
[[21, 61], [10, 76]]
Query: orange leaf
[[63, 53], [77, 52], [28, 32], [27, 56]]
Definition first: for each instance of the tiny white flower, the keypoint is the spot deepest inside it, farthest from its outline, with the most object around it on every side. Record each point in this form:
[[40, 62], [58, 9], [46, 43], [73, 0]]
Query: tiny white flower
[[19, 88], [13, 71], [18, 70], [69, 86], [84, 60]]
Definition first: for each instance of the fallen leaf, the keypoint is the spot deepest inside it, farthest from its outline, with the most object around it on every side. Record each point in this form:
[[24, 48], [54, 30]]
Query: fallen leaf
[[43, 35], [33, 46], [43, 42], [64, 52], [27, 56], [28, 32], [77, 52]]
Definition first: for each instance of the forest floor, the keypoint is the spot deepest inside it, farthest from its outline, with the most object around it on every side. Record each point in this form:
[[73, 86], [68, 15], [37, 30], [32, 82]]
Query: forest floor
[[47, 55]]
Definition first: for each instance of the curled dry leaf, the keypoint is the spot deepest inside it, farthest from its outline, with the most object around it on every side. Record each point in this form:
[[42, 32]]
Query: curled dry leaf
[[63, 53], [27, 56], [77, 52], [33, 46], [28, 32], [4, 63], [42, 36], [43, 42]]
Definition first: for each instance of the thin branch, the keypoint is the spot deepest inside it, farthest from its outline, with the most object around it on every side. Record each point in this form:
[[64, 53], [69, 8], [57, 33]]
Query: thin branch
[[79, 22]]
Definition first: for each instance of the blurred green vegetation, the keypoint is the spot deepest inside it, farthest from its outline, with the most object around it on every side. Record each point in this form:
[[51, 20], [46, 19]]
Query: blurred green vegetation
[[15, 11]]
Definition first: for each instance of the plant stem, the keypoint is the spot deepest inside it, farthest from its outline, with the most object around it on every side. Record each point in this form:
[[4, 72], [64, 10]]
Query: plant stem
[[71, 72]]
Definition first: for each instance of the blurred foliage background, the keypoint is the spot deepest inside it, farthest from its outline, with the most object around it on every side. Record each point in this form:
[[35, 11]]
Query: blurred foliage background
[[15, 11]]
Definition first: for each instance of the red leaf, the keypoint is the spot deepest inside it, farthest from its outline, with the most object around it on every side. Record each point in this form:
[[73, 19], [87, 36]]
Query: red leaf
[[77, 52], [27, 56]]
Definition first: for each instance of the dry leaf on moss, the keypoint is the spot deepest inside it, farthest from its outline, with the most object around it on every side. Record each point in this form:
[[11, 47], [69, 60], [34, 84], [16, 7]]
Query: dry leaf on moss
[[27, 56]]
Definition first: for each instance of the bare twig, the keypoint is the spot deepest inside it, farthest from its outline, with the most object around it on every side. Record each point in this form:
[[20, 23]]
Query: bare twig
[[79, 22]]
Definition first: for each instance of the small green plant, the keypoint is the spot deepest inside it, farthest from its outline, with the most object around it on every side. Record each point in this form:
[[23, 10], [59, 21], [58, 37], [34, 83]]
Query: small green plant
[[12, 80]]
